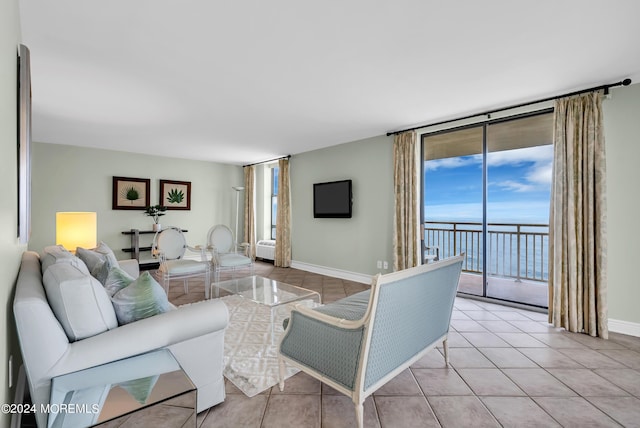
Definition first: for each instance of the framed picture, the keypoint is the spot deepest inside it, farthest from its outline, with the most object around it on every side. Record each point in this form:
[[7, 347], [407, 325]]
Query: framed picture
[[24, 145], [131, 193], [175, 195]]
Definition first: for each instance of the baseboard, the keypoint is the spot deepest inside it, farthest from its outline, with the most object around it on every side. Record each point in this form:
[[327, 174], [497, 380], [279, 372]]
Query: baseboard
[[336, 273], [624, 327]]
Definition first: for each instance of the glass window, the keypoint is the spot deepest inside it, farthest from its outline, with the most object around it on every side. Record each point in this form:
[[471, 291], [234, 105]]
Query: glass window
[[274, 200]]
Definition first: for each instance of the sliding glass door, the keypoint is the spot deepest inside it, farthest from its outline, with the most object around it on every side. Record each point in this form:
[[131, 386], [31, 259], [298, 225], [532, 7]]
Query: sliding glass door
[[486, 193], [453, 200]]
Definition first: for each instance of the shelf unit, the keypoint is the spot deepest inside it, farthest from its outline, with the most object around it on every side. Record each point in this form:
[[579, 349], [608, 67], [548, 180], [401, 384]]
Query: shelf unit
[[135, 249]]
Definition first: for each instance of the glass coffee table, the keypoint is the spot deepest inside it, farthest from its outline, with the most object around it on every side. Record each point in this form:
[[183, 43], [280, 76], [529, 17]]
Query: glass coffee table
[[267, 292]]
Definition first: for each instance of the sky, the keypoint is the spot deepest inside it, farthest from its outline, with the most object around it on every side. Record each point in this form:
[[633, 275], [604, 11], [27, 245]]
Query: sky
[[519, 184]]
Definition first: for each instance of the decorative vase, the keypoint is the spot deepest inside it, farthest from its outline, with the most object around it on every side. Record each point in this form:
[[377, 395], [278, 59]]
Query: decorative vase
[[157, 227]]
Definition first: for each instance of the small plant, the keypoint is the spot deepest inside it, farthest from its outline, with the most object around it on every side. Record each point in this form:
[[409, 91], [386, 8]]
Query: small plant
[[131, 194], [155, 212], [175, 196]]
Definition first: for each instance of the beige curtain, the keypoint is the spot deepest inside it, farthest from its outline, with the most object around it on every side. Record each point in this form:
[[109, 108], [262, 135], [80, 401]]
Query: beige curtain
[[283, 217], [577, 232], [250, 208], [406, 252]]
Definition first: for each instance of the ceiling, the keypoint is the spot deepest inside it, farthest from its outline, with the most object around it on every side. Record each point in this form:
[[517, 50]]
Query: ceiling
[[243, 81]]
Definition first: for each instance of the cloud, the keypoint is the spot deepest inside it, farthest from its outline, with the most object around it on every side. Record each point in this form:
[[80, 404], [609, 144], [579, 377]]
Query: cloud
[[516, 186], [536, 177], [539, 154], [541, 173], [456, 162]]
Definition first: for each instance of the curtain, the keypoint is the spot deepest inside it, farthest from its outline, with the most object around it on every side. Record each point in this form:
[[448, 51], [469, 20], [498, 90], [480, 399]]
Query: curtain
[[577, 229], [250, 208], [283, 217], [406, 252]]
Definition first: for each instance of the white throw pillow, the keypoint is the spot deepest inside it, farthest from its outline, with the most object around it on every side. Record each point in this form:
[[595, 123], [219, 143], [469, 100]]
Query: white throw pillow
[[55, 254], [79, 301]]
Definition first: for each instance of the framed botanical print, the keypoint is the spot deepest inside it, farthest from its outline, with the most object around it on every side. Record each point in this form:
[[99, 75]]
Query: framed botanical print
[[131, 193], [175, 195]]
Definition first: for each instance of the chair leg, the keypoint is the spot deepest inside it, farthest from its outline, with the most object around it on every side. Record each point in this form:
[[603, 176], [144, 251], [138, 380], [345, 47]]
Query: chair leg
[[445, 346], [281, 373], [207, 285], [360, 414], [186, 286], [165, 283]]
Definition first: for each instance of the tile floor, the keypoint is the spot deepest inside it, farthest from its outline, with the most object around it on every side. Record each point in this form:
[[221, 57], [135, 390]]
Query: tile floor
[[509, 367]]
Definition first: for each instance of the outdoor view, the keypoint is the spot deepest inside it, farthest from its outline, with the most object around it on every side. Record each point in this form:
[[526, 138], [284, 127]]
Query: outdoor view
[[519, 157]]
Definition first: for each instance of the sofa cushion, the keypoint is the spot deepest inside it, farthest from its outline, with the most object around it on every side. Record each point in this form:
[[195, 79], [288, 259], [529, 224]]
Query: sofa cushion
[[79, 301], [54, 254], [142, 298]]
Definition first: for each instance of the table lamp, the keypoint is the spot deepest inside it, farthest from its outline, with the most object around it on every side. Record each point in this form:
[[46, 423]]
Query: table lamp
[[76, 229]]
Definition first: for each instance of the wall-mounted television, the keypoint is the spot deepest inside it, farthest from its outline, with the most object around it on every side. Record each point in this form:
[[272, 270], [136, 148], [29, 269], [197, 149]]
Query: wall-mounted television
[[332, 199]]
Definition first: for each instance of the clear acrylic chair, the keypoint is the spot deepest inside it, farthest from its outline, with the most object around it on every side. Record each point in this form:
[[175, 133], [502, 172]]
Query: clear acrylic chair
[[225, 253], [170, 246]]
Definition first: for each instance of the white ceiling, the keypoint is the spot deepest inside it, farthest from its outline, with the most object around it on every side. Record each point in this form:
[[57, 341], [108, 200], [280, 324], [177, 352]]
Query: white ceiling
[[242, 81]]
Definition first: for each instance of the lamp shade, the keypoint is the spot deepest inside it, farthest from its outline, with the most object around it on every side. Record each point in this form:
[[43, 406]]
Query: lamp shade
[[76, 229]]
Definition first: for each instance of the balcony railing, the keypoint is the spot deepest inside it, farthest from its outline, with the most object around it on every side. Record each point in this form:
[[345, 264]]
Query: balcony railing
[[517, 251]]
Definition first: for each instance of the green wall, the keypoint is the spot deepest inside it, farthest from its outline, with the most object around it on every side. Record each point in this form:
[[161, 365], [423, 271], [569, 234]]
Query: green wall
[[10, 250], [69, 178], [622, 136], [355, 244]]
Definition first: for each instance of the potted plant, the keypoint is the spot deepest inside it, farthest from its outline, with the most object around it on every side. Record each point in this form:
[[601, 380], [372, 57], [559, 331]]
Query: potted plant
[[155, 212]]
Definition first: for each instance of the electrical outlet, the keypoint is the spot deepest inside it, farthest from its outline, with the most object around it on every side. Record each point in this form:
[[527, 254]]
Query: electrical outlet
[[385, 265], [10, 371], [379, 264]]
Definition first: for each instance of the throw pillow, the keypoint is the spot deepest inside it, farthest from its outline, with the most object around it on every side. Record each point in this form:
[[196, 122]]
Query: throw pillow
[[55, 254], [99, 261], [89, 257], [78, 301], [143, 298], [104, 249], [117, 279]]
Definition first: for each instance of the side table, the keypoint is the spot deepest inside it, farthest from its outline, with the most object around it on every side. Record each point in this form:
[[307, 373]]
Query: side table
[[146, 390]]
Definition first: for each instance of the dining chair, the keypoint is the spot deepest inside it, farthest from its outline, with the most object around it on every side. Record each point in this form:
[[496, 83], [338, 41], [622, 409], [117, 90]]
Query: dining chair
[[225, 253], [170, 246]]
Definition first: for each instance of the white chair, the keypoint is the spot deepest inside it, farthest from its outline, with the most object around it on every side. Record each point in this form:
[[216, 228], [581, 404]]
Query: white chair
[[224, 251], [170, 245]]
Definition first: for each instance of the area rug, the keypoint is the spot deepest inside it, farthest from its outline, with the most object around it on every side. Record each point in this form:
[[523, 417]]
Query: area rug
[[250, 351]]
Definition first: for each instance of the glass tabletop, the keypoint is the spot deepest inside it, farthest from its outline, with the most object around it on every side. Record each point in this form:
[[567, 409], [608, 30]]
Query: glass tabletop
[[265, 291]]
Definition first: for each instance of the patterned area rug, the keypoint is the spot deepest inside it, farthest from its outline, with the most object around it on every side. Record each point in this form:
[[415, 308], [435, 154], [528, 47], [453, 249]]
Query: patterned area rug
[[251, 344]]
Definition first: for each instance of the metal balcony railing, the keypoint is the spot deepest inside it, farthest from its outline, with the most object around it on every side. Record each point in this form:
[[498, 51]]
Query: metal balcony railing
[[517, 251]]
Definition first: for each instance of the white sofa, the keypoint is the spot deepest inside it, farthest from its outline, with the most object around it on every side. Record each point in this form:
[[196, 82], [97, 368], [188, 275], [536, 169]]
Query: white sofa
[[193, 333]]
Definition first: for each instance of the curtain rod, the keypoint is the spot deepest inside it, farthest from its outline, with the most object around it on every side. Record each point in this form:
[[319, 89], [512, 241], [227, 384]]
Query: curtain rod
[[625, 82], [270, 160]]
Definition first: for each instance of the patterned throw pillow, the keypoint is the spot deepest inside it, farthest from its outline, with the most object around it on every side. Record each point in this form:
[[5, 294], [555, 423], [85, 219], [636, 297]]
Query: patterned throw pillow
[[142, 298], [117, 279]]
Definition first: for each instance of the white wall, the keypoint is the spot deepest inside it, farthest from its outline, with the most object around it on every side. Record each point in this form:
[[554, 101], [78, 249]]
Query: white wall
[[10, 250], [622, 136], [355, 244], [69, 178]]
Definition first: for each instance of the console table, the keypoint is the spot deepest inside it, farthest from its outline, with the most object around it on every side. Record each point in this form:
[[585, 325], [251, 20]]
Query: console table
[[125, 393], [135, 247]]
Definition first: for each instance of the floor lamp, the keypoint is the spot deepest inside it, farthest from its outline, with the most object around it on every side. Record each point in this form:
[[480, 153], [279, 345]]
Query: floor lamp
[[238, 189]]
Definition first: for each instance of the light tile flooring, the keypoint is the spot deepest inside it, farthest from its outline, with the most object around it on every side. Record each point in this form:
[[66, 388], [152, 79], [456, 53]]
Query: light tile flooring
[[509, 368]]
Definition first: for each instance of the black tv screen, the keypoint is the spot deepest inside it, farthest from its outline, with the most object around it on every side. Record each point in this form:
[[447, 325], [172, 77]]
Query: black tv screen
[[332, 200]]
